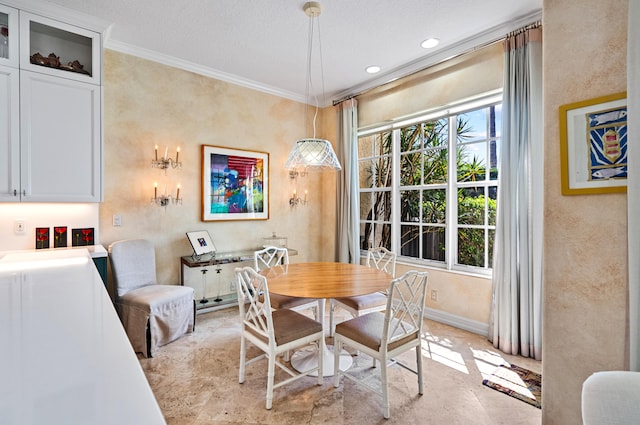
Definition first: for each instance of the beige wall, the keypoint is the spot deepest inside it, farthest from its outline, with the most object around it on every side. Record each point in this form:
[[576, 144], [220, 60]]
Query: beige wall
[[585, 247], [465, 76], [147, 103]]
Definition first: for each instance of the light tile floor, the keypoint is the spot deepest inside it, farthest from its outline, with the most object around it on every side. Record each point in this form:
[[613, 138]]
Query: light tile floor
[[195, 380]]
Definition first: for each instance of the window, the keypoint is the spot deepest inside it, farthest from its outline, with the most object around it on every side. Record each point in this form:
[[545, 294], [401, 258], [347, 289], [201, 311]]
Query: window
[[428, 186]]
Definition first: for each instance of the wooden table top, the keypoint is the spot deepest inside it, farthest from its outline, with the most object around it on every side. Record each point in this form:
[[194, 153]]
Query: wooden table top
[[325, 280]]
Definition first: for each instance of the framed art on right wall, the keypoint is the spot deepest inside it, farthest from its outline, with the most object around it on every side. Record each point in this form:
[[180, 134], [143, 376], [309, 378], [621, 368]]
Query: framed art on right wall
[[593, 145]]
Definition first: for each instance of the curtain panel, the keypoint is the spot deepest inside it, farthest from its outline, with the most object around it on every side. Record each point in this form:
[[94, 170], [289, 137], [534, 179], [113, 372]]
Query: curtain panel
[[515, 325], [347, 214]]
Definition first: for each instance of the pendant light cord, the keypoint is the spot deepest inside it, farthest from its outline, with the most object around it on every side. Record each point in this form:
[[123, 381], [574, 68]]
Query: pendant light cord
[[309, 83]]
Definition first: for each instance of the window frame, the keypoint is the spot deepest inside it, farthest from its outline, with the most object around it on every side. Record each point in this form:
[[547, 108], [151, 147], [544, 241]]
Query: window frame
[[451, 225]]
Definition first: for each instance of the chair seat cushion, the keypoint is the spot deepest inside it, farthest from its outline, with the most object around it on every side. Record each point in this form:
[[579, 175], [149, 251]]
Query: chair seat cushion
[[364, 302], [282, 301], [367, 330], [289, 325], [153, 298]]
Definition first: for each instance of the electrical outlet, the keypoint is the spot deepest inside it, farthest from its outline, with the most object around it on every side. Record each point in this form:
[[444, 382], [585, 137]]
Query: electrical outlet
[[19, 227], [117, 220], [434, 295]]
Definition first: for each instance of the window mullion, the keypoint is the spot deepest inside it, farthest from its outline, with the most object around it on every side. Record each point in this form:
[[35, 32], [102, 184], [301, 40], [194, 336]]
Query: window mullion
[[395, 191], [451, 221]]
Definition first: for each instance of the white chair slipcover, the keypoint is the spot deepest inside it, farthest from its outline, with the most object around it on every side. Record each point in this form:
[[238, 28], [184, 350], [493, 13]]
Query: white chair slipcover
[[153, 315]]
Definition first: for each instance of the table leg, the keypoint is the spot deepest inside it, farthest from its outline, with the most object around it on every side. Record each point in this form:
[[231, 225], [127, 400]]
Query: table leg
[[307, 358]]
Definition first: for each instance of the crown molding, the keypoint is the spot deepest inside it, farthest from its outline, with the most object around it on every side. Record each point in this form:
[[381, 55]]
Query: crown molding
[[199, 69]]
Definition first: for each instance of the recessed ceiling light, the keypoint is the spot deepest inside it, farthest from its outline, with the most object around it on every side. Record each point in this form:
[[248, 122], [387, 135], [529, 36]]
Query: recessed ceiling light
[[430, 43], [372, 69]]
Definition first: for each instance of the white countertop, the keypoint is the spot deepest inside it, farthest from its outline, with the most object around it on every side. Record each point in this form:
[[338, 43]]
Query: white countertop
[[64, 356]]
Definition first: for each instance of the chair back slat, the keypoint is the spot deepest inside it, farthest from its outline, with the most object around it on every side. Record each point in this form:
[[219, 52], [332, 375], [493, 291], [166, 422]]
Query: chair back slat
[[382, 259], [405, 306], [269, 257], [254, 314]]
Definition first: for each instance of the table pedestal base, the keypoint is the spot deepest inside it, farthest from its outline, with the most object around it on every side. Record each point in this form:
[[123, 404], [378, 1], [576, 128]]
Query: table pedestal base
[[307, 358]]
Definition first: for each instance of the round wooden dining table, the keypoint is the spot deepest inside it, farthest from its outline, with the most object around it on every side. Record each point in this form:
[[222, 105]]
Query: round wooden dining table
[[322, 280]]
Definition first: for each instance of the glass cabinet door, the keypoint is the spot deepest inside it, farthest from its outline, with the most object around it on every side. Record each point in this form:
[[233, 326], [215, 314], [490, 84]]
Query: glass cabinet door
[[8, 36], [59, 49]]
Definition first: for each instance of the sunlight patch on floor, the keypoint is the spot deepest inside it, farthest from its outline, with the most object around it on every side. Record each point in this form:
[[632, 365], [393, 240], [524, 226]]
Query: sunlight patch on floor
[[437, 351]]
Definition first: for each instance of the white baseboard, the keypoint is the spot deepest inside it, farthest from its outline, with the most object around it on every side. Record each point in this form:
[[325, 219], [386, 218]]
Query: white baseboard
[[457, 321]]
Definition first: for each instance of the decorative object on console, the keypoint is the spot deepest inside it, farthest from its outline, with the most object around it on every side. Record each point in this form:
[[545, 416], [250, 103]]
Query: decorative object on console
[[201, 243], [165, 199], [235, 184], [311, 153], [42, 237], [166, 162], [60, 237], [82, 237], [275, 240]]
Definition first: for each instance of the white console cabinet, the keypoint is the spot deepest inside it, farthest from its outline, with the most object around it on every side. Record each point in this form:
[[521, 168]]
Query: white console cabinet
[[51, 145]]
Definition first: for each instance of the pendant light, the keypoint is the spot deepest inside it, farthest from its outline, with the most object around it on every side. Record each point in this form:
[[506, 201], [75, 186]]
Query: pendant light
[[312, 154]]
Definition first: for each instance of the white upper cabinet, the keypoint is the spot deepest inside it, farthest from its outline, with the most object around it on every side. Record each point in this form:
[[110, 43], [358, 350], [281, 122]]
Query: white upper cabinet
[[8, 36], [60, 145], [56, 48]]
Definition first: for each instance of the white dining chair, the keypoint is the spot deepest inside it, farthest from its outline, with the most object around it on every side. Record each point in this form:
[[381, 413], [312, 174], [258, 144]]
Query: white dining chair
[[274, 332], [273, 256], [382, 259], [383, 336]]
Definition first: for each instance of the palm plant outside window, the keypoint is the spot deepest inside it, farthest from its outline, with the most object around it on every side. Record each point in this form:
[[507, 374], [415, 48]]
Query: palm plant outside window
[[428, 189]]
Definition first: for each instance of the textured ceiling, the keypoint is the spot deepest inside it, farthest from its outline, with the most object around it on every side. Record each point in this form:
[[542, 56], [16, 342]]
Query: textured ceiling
[[263, 43]]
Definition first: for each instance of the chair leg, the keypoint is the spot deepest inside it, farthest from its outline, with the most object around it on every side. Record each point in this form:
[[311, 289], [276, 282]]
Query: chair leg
[[270, 378], [337, 348], [385, 388], [242, 359], [419, 368], [332, 326]]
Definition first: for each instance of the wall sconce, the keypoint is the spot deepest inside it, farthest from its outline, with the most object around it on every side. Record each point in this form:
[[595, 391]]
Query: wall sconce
[[294, 173], [166, 162], [164, 199], [295, 200]]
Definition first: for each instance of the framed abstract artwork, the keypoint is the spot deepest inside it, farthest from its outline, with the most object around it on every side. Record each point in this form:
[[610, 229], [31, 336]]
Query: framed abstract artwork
[[235, 184], [593, 145]]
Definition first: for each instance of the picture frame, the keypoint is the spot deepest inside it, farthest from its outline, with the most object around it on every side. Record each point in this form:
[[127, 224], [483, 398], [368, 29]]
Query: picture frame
[[235, 184], [201, 242], [593, 145]]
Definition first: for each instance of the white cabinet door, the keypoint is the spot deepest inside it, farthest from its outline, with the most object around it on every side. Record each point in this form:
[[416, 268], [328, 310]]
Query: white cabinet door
[[60, 139], [9, 134]]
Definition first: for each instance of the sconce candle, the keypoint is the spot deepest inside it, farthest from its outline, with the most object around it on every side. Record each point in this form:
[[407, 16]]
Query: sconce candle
[[165, 162], [305, 196], [178, 191], [155, 190]]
